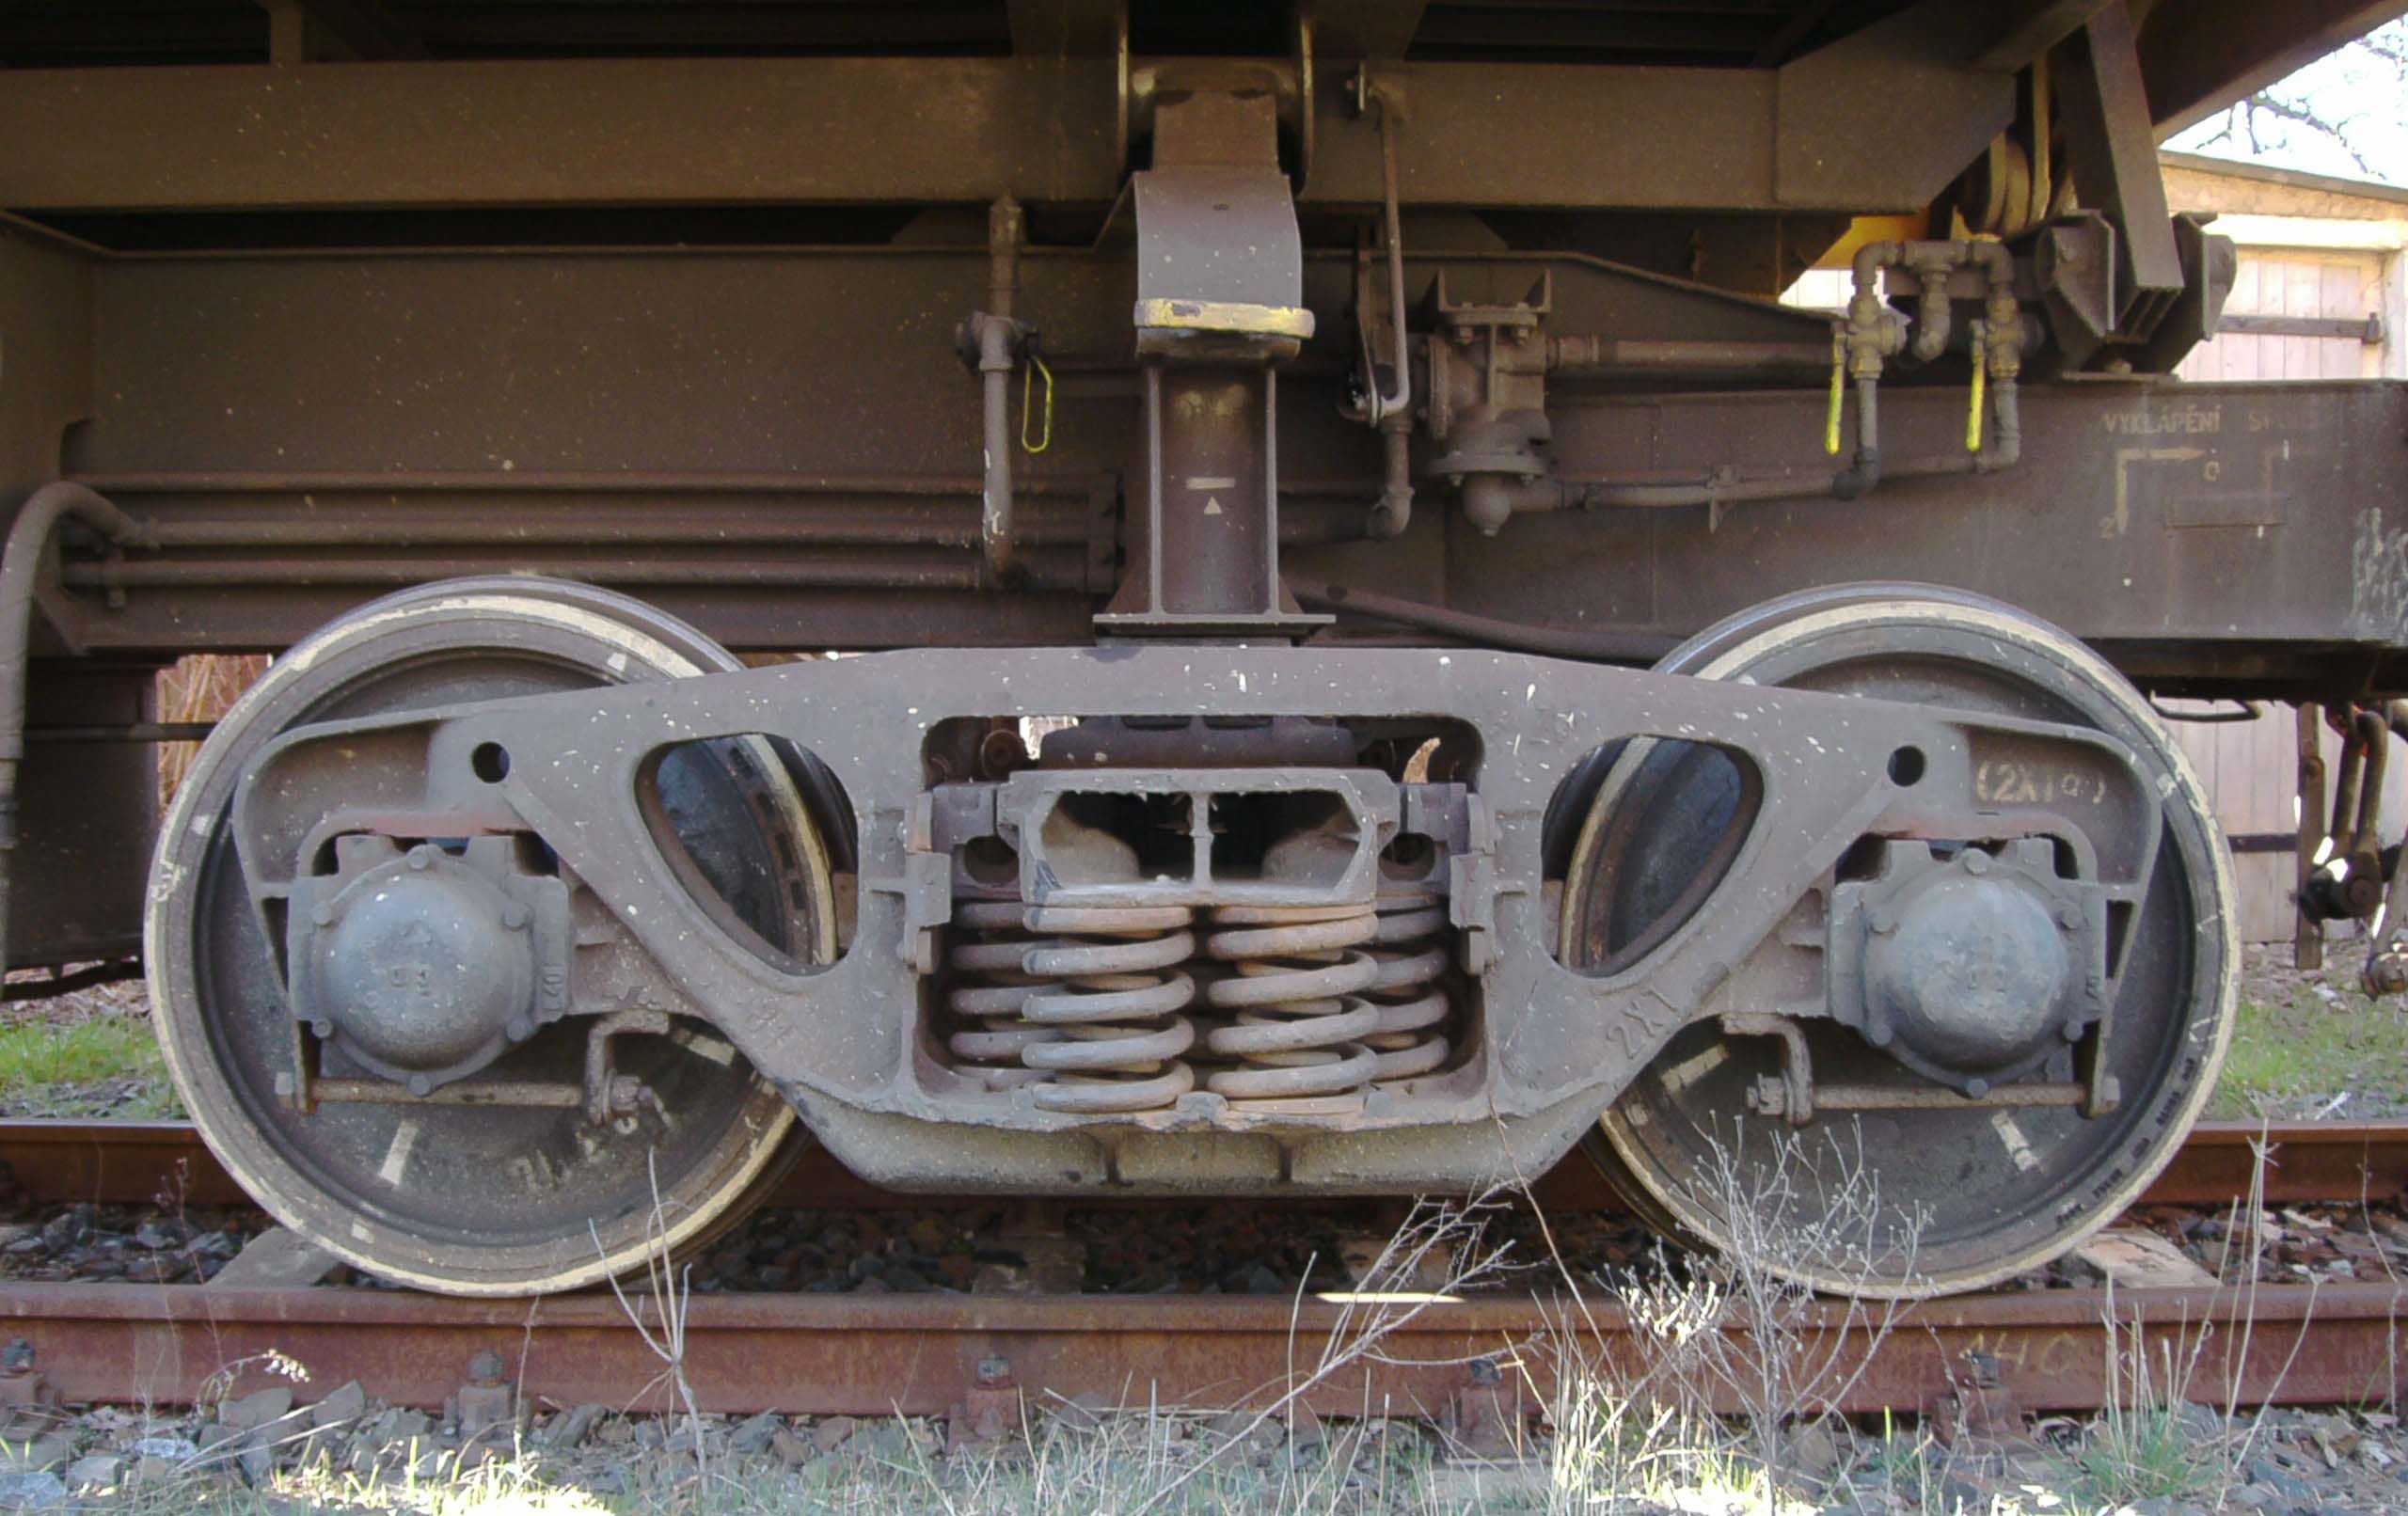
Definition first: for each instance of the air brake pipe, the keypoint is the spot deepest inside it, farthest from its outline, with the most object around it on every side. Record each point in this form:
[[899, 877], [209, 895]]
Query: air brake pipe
[[1558, 492], [1392, 414], [998, 343], [1873, 332], [21, 564], [1548, 641]]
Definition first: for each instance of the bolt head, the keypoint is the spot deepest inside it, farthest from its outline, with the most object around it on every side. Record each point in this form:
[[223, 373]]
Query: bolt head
[[520, 1029], [2068, 917], [420, 1085], [515, 916], [1976, 861], [421, 856], [323, 914], [486, 1367], [1484, 1371], [1884, 919], [18, 1357], [993, 1371]]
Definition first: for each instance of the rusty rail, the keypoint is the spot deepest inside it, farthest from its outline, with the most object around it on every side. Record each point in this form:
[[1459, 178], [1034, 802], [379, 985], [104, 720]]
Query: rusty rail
[[875, 1355], [1397, 1355], [134, 1162]]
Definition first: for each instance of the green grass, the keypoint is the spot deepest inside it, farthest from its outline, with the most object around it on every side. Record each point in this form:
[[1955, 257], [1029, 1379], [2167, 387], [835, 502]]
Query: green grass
[[2292, 1052], [104, 1066], [2145, 1454]]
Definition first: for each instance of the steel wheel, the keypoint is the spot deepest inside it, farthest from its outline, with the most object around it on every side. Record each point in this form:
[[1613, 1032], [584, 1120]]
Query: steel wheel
[[484, 1200], [1993, 1192]]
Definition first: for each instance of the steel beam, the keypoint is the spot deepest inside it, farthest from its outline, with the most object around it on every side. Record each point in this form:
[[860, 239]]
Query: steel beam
[[305, 31], [2108, 148], [1819, 135], [1366, 28], [2033, 27], [2201, 56]]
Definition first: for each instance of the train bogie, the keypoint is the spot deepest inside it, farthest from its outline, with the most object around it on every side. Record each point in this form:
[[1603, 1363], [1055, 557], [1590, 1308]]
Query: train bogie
[[1373, 651]]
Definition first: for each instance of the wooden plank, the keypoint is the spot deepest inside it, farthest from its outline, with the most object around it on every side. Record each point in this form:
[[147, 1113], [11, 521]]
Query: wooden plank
[[2302, 290], [2141, 1259]]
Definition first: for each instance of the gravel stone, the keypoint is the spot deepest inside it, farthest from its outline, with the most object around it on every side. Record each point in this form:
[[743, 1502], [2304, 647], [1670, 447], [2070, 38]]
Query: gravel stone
[[96, 1471], [49, 1450], [344, 1404], [571, 1427], [37, 1491], [256, 1410], [753, 1435], [789, 1450]]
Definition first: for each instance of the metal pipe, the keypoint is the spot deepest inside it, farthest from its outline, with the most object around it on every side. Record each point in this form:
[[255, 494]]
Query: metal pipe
[[2365, 845], [864, 530], [999, 339], [594, 482], [1940, 1098], [1864, 470], [819, 572], [494, 1091], [30, 537], [1383, 405], [1606, 358], [1595, 647], [1393, 510]]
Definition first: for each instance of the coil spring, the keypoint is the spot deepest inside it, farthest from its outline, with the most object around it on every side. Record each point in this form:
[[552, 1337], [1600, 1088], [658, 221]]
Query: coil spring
[[994, 985], [1090, 1015], [1411, 951], [1301, 1020]]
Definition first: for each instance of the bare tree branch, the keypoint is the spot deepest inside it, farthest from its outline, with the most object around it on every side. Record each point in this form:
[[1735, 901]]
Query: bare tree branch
[[2287, 116]]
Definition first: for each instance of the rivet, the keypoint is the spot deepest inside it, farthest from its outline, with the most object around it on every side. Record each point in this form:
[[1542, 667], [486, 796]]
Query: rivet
[[324, 915], [513, 915], [1976, 861]]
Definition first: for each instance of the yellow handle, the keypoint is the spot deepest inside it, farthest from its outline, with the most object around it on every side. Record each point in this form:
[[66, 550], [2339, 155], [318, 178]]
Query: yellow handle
[[1973, 414], [1035, 366], [1839, 389]]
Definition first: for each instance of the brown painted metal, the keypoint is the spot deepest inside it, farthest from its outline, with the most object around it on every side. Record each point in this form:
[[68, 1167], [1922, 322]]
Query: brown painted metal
[[883, 1354], [784, 504], [2202, 54], [134, 1162], [853, 131]]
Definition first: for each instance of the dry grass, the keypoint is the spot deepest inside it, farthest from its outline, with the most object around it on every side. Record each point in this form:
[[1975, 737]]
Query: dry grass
[[198, 688]]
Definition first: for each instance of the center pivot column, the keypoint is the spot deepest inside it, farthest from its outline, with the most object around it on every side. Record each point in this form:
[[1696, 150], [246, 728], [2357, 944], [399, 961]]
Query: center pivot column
[[1220, 291]]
